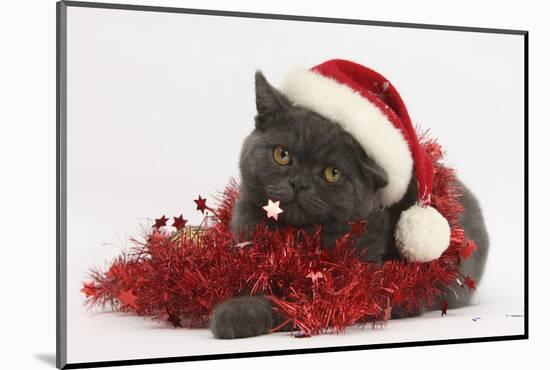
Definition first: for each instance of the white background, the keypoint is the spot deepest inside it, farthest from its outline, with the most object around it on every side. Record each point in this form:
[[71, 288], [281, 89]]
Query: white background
[[159, 104], [29, 145]]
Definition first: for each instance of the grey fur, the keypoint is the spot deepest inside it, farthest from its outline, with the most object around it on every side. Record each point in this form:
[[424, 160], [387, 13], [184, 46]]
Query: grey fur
[[242, 317], [308, 200], [474, 226]]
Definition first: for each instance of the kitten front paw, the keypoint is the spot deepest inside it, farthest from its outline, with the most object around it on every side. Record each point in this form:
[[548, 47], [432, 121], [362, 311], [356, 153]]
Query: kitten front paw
[[242, 317]]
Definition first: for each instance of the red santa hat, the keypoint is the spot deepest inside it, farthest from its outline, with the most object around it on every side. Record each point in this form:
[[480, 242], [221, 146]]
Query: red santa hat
[[367, 105]]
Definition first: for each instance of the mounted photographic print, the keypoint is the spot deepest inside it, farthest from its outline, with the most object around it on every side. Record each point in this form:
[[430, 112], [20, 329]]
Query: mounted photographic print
[[237, 184]]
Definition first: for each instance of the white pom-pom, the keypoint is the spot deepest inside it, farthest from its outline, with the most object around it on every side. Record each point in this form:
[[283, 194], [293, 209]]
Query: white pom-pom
[[422, 234]]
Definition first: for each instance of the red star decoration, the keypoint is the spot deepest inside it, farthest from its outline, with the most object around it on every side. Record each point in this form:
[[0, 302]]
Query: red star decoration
[[444, 307], [469, 282], [201, 204], [160, 222], [358, 227], [174, 320], [89, 289], [128, 298], [398, 297], [467, 250], [179, 222]]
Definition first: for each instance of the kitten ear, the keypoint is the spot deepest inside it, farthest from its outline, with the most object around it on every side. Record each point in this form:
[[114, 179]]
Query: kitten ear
[[374, 173], [268, 99]]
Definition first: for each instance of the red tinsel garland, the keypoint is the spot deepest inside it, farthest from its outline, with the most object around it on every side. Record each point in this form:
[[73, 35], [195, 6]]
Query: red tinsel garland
[[180, 277]]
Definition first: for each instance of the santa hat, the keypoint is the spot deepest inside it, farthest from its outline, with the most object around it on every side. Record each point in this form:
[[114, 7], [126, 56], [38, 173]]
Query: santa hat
[[367, 106]]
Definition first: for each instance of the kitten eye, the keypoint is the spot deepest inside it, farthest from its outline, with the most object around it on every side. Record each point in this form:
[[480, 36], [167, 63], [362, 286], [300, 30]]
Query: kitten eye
[[332, 174], [281, 155]]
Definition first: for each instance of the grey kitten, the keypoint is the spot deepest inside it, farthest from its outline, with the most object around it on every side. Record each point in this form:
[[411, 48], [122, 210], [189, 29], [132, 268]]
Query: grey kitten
[[321, 176]]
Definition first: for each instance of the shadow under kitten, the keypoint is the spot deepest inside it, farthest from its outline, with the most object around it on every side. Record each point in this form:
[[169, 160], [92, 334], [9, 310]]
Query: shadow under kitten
[[321, 176]]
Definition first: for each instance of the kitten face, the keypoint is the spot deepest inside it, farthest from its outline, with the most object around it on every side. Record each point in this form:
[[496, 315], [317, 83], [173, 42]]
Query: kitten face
[[316, 170]]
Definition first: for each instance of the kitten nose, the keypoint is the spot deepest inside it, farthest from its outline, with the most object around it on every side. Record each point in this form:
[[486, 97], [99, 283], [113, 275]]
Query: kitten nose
[[299, 183]]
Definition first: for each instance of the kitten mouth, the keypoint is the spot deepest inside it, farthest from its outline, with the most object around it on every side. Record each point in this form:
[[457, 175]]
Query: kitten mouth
[[299, 208], [304, 210], [294, 215]]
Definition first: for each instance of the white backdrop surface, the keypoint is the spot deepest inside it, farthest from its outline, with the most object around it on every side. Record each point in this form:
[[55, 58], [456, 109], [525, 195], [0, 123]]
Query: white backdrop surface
[[158, 105], [28, 204]]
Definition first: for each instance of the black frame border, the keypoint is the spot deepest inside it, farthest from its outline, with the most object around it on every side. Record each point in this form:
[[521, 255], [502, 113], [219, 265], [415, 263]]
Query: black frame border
[[61, 172], [61, 183]]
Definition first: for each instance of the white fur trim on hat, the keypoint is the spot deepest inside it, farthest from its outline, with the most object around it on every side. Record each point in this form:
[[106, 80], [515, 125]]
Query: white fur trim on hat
[[361, 118], [422, 234]]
